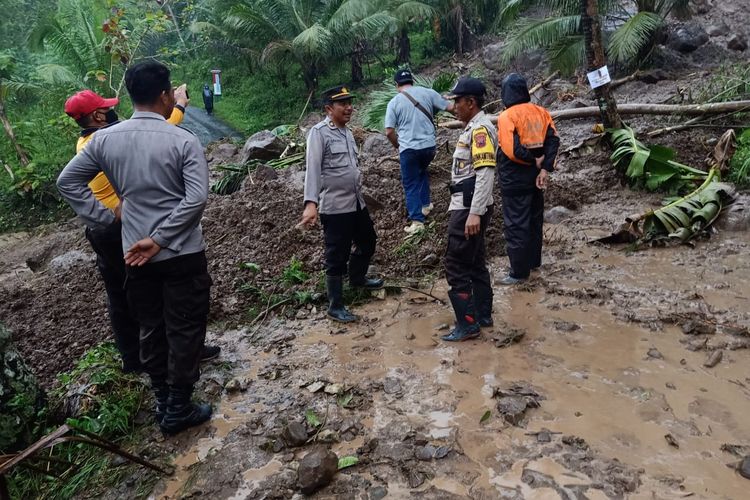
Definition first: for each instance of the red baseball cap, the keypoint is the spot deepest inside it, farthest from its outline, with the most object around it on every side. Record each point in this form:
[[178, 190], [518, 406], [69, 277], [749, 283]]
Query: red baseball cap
[[84, 102]]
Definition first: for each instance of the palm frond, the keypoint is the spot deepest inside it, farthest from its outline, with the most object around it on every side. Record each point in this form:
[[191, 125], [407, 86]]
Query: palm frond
[[539, 33], [568, 54], [314, 42], [633, 36]]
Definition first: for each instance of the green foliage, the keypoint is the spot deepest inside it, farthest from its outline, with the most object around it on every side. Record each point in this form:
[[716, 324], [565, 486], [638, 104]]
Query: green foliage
[[687, 217], [412, 241], [105, 401], [347, 461], [373, 112], [651, 167], [559, 32], [739, 167], [312, 418], [293, 274]]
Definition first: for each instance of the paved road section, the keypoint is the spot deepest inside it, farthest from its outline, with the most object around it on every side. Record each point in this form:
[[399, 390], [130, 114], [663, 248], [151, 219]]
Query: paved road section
[[207, 127]]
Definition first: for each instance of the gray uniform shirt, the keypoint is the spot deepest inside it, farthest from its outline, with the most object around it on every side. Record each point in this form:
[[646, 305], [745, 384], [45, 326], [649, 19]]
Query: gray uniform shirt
[[160, 174], [475, 157], [333, 179]]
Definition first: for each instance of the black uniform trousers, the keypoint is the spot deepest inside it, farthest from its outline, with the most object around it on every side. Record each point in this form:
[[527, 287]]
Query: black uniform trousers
[[107, 244], [339, 232], [465, 259], [523, 218], [170, 299]]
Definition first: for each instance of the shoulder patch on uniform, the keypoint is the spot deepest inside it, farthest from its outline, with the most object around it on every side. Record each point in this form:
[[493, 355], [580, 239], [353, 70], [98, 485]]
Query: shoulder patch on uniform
[[482, 148]]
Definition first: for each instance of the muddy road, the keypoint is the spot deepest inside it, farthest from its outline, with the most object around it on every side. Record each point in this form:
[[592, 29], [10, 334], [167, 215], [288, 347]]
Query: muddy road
[[626, 407]]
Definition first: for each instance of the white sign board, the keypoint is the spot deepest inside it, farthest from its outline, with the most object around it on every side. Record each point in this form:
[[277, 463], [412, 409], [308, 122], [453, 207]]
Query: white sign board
[[599, 77]]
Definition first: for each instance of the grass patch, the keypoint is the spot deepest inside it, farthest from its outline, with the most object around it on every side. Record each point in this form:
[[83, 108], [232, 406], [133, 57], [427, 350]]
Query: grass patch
[[105, 401], [739, 167]]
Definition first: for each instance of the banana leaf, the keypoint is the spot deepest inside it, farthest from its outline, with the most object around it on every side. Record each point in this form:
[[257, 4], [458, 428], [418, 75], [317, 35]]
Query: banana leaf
[[680, 221], [652, 167]]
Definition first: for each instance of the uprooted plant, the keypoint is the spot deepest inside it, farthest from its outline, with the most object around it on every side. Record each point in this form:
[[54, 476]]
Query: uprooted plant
[[685, 218]]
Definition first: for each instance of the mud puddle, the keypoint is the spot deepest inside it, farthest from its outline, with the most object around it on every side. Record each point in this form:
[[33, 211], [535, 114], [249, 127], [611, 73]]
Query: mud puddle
[[624, 409]]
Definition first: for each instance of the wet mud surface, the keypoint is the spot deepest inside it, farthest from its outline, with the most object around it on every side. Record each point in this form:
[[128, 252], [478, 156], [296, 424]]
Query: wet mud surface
[[609, 375]]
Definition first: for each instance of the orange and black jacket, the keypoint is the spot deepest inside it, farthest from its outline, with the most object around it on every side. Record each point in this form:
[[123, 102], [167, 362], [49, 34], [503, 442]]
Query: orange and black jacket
[[525, 132]]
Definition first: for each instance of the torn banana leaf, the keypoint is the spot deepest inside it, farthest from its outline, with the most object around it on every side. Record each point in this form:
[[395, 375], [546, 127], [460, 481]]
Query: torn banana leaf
[[679, 221]]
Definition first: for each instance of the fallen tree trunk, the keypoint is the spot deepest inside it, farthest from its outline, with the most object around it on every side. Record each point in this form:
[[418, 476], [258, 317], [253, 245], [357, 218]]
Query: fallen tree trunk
[[657, 109], [639, 109]]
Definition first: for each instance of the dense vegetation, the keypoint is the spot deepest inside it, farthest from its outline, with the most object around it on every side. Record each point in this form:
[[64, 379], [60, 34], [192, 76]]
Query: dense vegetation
[[275, 55]]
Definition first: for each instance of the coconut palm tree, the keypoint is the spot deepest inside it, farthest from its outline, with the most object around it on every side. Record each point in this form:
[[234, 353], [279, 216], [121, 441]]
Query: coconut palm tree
[[560, 31], [283, 31]]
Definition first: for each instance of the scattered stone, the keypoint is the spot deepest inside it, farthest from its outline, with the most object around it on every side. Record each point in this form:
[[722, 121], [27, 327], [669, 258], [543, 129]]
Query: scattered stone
[[737, 331], [654, 353], [295, 434], [508, 337], [543, 436], [688, 37], [334, 389], [416, 479], [70, 259], [670, 385], [556, 215], [315, 386], [566, 326], [377, 493], [443, 326], [410, 336], [492, 56], [537, 479], [391, 385], [714, 358], [378, 146], [430, 260], [736, 217], [737, 42], [328, 436], [513, 401], [263, 145], [237, 384], [512, 408], [736, 449], [442, 452], [425, 453], [265, 173], [693, 327], [671, 441], [316, 470], [744, 468], [720, 29]]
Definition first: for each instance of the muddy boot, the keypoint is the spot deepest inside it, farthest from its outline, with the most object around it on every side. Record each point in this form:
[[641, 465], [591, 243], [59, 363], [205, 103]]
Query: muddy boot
[[336, 309], [183, 413], [358, 274], [466, 325], [483, 305], [161, 394]]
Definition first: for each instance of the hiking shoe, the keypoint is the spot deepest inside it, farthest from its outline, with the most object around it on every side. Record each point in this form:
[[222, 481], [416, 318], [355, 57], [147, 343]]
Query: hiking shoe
[[181, 412], [210, 352], [427, 209], [414, 227], [341, 314], [510, 280]]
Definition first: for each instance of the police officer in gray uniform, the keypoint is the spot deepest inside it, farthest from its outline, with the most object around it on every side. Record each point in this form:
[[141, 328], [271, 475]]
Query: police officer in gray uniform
[[472, 177], [333, 189]]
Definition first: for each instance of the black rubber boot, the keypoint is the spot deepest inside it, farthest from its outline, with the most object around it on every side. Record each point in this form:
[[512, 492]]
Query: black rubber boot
[[336, 309], [161, 393], [369, 283], [466, 326], [182, 413], [210, 352], [483, 305]]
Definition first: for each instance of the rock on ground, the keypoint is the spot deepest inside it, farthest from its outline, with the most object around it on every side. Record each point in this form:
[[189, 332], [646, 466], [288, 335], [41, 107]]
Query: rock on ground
[[316, 470], [263, 145]]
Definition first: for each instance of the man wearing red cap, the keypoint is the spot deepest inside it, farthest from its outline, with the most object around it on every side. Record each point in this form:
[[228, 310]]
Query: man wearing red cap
[[92, 112]]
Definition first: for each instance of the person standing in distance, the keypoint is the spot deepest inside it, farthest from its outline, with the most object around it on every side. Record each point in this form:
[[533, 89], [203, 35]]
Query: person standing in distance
[[333, 189], [527, 154], [410, 127], [471, 207], [159, 173]]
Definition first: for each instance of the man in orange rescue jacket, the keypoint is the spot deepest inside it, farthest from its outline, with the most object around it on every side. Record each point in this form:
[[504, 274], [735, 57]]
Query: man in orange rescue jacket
[[528, 149]]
